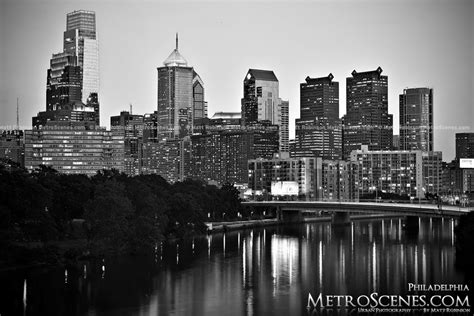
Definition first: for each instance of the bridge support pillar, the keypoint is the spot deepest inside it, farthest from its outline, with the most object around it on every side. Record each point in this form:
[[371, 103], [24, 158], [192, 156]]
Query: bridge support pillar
[[279, 214], [341, 218]]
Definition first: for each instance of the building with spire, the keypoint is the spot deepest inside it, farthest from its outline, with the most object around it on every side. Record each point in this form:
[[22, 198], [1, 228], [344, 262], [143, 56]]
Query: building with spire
[[180, 96]]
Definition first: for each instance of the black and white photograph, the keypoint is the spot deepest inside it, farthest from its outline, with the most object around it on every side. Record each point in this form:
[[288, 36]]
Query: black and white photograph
[[236, 157]]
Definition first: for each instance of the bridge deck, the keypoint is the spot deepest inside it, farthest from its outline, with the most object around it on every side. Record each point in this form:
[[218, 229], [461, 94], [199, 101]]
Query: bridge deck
[[367, 207]]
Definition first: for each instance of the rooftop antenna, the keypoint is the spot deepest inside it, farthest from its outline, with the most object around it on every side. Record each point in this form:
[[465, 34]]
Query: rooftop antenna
[[176, 40], [130, 108], [17, 114]]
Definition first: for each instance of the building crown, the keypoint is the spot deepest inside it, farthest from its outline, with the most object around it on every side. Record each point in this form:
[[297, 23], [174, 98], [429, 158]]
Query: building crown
[[175, 59]]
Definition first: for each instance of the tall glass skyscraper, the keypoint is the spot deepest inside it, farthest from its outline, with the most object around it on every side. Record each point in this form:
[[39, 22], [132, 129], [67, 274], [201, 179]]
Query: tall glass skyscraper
[[72, 86], [180, 97], [416, 119], [80, 39]]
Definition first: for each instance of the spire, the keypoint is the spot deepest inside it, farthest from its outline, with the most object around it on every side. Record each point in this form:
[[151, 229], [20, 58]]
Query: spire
[[175, 59]]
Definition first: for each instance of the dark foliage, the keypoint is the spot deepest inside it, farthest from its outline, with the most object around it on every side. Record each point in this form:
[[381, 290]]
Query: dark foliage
[[121, 214]]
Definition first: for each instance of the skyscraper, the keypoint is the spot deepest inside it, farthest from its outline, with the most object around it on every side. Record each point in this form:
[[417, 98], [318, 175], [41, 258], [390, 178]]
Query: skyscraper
[[180, 96], [261, 102], [318, 130], [80, 40], [72, 84], [416, 119], [367, 121]]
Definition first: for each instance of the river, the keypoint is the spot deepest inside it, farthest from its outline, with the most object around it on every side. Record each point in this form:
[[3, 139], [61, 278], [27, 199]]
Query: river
[[264, 271]]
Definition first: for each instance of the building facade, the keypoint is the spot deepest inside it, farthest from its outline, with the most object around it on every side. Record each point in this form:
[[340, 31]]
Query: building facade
[[180, 97], [261, 102], [367, 121], [397, 172], [306, 172], [130, 127], [164, 158], [80, 40], [408, 173], [74, 149], [319, 129], [72, 84], [464, 145], [416, 119], [339, 181], [12, 147]]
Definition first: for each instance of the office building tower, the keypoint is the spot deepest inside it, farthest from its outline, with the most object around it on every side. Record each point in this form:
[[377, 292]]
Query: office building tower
[[464, 145], [80, 40], [74, 150], [261, 102], [72, 83], [367, 121], [131, 127], [416, 119], [319, 129], [180, 97]]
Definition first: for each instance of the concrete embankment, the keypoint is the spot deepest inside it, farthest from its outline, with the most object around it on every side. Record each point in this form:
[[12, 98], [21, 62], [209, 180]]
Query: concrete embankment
[[214, 227]]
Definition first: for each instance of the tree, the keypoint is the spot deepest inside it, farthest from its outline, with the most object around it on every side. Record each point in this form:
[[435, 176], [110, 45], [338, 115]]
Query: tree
[[107, 219]]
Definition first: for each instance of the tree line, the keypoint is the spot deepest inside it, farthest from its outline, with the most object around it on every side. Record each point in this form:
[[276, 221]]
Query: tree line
[[118, 214]]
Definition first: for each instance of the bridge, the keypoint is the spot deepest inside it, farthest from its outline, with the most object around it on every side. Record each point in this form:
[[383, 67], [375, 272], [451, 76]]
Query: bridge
[[292, 211]]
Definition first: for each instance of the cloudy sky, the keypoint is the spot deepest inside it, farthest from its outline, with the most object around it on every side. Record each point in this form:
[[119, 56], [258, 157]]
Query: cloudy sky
[[417, 43]]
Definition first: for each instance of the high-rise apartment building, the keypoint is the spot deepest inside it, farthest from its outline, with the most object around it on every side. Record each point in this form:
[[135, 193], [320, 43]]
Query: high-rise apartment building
[[319, 129], [180, 97], [261, 102], [416, 119], [410, 173], [367, 121], [339, 180]]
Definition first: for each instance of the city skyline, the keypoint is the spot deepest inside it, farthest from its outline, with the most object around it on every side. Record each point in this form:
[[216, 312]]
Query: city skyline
[[218, 41]]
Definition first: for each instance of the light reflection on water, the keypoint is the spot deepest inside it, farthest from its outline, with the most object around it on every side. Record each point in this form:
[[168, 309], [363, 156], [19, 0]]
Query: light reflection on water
[[252, 272]]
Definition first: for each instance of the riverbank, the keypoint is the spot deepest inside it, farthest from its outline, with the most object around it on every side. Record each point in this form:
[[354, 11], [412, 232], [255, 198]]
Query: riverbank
[[217, 227]]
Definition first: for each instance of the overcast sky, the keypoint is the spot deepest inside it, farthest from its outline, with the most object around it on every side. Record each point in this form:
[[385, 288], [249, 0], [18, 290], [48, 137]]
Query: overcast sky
[[417, 44]]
